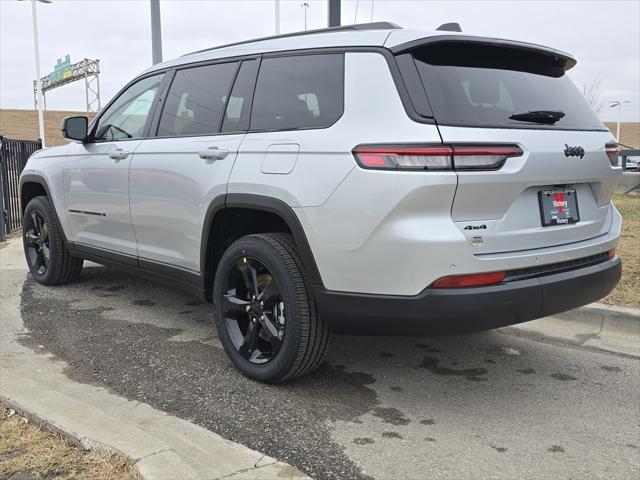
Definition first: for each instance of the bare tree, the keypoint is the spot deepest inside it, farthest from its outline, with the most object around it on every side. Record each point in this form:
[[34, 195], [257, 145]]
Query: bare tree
[[592, 92]]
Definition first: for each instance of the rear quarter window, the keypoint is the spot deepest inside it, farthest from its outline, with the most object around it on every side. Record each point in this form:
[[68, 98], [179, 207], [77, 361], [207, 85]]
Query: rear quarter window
[[297, 92], [483, 86]]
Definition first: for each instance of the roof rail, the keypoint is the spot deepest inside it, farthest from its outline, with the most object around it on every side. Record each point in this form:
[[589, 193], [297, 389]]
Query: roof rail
[[358, 26]]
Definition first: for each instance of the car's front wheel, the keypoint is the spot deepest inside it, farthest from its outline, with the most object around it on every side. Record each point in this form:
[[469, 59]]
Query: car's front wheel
[[47, 257], [265, 314]]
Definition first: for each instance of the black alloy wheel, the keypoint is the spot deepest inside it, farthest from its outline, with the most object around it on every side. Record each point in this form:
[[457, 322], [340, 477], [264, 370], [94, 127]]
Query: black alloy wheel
[[44, 245], [37, 243], [254, 310], [264, 310]]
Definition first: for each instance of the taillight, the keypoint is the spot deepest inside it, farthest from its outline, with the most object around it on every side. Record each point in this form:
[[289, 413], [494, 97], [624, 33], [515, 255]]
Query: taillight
[[471, 280], [612, 150], [434, 157]]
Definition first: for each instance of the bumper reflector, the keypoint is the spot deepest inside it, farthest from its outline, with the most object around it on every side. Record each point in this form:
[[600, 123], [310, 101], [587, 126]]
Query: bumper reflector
[[471, 280]]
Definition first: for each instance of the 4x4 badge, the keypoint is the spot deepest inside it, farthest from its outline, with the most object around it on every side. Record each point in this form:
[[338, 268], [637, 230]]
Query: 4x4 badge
[[573, 151]]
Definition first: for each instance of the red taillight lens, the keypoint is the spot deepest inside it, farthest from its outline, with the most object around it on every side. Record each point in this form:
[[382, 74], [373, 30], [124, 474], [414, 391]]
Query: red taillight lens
[[612, 150], [612, 253], [399, 157], [471, 280], [434, 157]]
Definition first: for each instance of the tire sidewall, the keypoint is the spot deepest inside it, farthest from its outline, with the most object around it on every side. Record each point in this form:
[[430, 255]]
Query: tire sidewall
[[278, 367], [41, 205]]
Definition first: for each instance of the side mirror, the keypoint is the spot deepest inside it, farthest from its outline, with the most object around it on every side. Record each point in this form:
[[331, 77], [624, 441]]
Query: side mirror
[[75, 128]]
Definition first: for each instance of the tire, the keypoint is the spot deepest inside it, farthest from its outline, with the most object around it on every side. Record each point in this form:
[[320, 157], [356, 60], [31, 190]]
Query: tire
[[305, 337], [47, 257]]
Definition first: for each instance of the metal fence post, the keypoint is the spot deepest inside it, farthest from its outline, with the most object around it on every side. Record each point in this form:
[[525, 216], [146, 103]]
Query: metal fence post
[[3, 223]]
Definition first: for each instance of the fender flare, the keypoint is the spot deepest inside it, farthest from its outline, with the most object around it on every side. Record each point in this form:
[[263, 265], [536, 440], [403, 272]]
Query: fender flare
[[267, 204], [32, 178]]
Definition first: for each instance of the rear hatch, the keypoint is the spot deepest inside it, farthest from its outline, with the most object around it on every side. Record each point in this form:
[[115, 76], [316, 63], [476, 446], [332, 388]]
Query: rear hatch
[[482, 92]]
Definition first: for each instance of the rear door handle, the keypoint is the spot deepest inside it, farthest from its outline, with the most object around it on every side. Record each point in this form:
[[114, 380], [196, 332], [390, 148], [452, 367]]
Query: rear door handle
[[213, 153], [118, 154]]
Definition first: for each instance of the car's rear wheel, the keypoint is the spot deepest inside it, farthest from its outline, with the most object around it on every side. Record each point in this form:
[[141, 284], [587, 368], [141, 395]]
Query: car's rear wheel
[[47, 257], [265, 314]]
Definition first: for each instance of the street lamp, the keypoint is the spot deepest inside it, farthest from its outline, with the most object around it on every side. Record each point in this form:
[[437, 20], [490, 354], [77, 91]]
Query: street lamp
[[36, 46], [305, 6], [618, 103]]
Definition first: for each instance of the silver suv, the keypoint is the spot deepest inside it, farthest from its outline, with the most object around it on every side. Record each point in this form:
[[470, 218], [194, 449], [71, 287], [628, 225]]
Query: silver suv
[[362, 179]]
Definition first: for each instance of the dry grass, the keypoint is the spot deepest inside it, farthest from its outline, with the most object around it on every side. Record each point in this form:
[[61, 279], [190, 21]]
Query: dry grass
[[28, 451], [627, 293]]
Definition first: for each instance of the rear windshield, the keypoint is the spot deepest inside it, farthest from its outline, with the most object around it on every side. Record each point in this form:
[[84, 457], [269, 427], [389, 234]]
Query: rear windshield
[[484, 85]]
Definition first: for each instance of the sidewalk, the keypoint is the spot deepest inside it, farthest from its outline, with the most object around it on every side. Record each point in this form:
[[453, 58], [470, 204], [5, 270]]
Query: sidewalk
[[164, 447]]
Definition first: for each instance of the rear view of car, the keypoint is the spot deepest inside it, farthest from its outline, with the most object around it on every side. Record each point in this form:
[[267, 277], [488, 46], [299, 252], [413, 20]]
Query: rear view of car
[[507, 218]]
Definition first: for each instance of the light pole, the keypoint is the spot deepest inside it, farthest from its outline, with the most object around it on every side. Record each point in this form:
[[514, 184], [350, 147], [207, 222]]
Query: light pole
[[36, 46], [305, 6], [156, 32], [277, 2], [618, 103]]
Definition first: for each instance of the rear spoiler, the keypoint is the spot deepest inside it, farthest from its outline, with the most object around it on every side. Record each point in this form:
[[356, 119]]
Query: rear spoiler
[[559, 58]]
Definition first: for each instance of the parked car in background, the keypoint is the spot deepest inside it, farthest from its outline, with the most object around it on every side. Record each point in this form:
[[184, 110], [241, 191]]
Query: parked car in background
[[632, 164], [363, 179]]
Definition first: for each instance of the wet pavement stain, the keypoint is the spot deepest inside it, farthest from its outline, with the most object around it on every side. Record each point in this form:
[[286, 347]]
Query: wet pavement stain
[[564, 377], [472, 374], [391, 435], [609, 368], [391, 415], [114, 288], [144, 303], [555, 449], [527, 371], [427, 348], [198, 383], [363, 441], [428, 421]]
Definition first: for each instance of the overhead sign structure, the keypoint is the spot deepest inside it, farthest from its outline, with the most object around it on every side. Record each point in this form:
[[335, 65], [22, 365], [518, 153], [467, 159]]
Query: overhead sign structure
[[62, 69], [65, 72]]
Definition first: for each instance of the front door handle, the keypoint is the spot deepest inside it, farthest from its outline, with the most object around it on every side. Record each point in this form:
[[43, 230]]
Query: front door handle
[[213, 153], [118, 154]]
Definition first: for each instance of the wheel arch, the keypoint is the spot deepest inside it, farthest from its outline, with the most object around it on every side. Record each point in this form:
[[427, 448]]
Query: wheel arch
[[32, 186], [234, 215]]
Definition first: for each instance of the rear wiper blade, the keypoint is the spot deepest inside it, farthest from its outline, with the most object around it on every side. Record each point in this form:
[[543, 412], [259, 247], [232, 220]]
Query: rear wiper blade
[[538, 116]]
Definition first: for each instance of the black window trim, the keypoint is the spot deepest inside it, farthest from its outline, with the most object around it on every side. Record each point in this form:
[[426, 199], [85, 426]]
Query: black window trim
[[150, 117]]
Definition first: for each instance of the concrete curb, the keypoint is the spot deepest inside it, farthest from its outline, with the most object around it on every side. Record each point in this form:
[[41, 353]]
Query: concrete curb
[[599, 326], [161, 445], [619, 319]]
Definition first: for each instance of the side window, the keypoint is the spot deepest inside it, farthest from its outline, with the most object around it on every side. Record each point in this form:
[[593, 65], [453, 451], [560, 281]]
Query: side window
[[236, 118], [127, 115], [298, 92], [196, 100]]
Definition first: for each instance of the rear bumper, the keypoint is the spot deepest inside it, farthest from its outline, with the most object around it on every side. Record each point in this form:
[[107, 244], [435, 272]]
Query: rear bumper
[[438, 311]]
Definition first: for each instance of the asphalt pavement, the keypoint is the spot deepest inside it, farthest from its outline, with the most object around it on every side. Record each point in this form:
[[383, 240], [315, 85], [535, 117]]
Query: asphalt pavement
[[500, 404]]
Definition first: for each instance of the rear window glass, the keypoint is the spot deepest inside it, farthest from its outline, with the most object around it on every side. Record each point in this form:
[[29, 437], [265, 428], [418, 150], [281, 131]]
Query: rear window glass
[[480, 85], [298, 92]]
